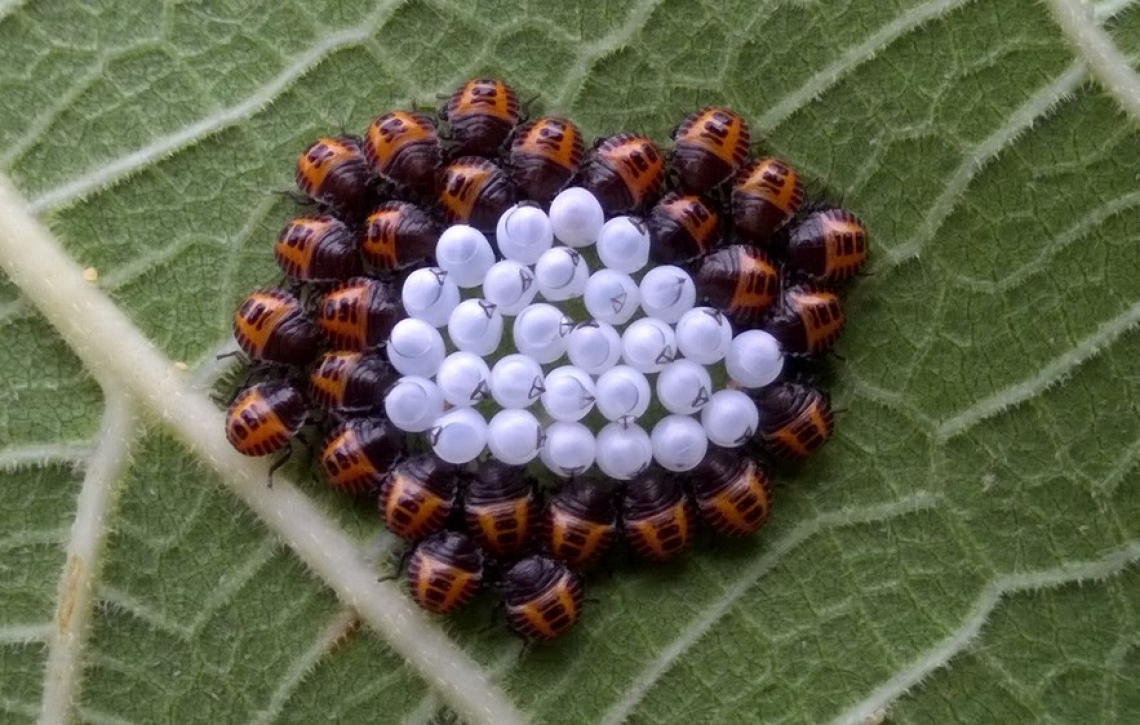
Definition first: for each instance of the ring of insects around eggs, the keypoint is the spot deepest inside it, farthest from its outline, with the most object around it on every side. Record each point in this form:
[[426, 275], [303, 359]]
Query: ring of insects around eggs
[[484, 284]]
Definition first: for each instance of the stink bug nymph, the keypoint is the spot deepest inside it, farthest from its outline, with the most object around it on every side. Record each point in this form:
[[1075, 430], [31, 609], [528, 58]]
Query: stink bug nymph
[[333, 171], [795, 419], [501, 508], [317, 249], [474, 191], [682, 228], [765, 194], [359, 453], [580, 522], [739, 280], [404, 148], [545, 155], [625, 172], [270, 326], [657, 518], [709, 147], [360, 313], [829, 245], [807, 321], [345, 382], [416, 498], [480, 115], [398, 235], [732, 492], [265, 417], [444, 571], [543, 597]]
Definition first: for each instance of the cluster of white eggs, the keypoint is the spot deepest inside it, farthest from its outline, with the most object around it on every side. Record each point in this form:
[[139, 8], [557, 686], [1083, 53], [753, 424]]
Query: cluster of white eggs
[[607, 369]]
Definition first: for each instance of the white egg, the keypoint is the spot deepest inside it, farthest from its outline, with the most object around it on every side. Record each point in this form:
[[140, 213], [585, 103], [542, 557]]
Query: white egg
[[576, 217], [540, 332], [561, 274], [509, 285], [754, 359], [459, 435], [704, 335], [679, 443], [430, 294], [415, 348], [623, 394], [464, 252], [524, 233], [517, 381], [623, 451], [569, 448], [684, 387], [667, 293], [464, 379], [623, 244], [648, 345], [730, 419], [594, 346], [514, 436], [570, 393], [413, 403], [611, 296]]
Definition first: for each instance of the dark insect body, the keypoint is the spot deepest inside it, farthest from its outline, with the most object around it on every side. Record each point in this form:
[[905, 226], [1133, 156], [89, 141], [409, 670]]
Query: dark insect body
[[710, 146], [444, 572], [580, 523], [317, 249], [501, 508], [625, 172], [732, 492], [543, 597], [359, 314], [807, 321], [359, 453], [829, 245], [765, 194], [270, 326], [265, 417], [333, 171], [682, 228], [545, 155], [480, 115], [417, 497], [795, 419], [404, 148], [474, 191], [657, 518], [346, 382], [398, 235], [739, 280]]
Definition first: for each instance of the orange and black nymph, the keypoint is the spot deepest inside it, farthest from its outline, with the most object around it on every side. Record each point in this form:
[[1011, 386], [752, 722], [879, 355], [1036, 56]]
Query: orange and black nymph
[[682, 228], [733, 492], [405, 148], [360, 314], [501, 508], [418, 495], [480, 115], [265, 417], [543, 597], [795, 419], [474, 191], [545, 155], [444, 571], [317, 249], [828, 245], [710, 146], [270, 326], [765, 194], [359, 453], [334, 172], [580, 522], [807, 321], [398, 235], [625, 172], [346, 382], [740, 280], [657, 518]]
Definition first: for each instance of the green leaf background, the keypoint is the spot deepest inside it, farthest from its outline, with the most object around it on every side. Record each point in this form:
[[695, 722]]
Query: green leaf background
[[963, 551]]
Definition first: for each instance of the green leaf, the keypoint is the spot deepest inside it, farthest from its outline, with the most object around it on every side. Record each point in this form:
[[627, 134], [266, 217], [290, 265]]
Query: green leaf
[[963, 551]]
